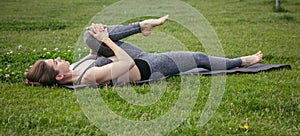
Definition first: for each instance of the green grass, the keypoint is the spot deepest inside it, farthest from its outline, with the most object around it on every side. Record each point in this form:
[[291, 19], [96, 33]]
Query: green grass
[[32, 30]]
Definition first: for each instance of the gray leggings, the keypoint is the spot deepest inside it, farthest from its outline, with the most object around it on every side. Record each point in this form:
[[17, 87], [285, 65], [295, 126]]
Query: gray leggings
[[161, 64]]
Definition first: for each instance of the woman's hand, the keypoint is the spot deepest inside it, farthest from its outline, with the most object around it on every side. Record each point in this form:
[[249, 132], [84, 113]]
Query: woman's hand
[[99, 32], [91, 27]]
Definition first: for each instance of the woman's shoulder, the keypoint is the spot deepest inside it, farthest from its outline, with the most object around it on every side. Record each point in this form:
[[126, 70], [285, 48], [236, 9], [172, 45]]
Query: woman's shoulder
[[84, 61]]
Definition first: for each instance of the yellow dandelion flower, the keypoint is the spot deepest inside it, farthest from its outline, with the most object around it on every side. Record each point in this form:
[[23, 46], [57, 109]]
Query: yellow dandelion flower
[[246, 127]]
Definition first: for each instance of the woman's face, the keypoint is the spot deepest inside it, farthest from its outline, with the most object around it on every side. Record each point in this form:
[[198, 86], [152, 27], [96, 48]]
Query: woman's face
[[58, 64]]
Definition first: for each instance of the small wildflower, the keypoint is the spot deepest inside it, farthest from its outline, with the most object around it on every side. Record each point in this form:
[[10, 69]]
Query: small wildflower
[[246, 126], [20, 46], [13, 73], [10, 52], [1, 70], [33, 50], [8, 66], [44, 49], [6, 75], [48, 52], [79, 49], [56, 49], [69, 50]]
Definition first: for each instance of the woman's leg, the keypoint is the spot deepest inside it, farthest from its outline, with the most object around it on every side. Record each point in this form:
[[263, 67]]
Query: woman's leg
[[119, 32], [171, 63], [115, 33], [189, 60], [103, 50], [185, 61]]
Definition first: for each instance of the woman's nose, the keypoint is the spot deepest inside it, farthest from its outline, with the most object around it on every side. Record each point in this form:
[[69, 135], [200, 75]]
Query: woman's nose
[[58, 59]]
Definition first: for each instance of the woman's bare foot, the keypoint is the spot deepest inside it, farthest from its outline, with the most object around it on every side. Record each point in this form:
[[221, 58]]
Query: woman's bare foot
[[147, 25], [248, 61]]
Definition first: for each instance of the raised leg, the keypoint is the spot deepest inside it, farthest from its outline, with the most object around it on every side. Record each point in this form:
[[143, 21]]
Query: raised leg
[[102, 50], [119, 32]]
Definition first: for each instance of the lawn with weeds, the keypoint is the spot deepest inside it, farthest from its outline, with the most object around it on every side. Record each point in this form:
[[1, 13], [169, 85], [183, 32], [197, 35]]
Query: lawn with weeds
[[32, 30]]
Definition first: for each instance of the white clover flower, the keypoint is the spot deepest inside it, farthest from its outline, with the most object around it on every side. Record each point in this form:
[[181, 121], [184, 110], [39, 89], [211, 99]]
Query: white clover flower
[[69, 50], [13, 73], [1, 70], [6, 75], [56, 49], [79, 49], [44, 49], [33, 50], [48, 52], [20, 46], [25, 73], [8, 66]]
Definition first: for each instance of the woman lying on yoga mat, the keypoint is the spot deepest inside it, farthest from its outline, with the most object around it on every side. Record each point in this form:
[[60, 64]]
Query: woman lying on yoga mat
[[122, 62]]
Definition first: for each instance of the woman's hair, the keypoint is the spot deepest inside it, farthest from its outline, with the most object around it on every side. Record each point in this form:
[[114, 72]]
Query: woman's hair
[[41, 74]]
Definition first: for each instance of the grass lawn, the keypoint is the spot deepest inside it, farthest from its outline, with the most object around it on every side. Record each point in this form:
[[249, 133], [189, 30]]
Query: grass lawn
[[32, 30]]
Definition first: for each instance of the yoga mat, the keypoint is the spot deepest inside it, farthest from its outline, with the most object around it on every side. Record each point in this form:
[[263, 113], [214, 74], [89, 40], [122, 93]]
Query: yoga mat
[[200, 71]]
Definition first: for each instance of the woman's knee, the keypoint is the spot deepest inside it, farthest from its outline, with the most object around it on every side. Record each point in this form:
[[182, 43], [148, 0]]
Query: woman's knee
[[202, 60], [87, 37], [90, 41]]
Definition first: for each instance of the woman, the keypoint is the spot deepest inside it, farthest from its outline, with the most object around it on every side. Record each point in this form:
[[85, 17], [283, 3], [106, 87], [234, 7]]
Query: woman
[[123, 62]]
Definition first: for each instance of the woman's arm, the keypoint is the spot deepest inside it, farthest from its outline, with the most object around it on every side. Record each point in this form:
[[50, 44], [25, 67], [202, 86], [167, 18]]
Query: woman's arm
[[113, 70]]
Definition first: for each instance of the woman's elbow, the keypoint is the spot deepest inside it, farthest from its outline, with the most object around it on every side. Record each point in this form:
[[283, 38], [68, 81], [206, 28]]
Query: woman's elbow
[[131, 64]]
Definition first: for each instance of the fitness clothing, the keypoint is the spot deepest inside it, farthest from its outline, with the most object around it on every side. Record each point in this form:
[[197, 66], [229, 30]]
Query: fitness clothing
[[161, 64], [143, 68]]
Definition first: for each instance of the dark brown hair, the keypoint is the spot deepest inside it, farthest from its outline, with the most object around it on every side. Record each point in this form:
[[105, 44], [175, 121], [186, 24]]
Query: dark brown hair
[[41, 74]]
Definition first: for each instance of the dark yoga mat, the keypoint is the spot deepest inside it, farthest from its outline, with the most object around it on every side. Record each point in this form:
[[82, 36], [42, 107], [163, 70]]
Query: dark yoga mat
[[252, 69], [200, 71]]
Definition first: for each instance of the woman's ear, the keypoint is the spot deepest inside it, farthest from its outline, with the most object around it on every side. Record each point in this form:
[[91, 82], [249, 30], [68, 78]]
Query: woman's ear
[[59, 77]]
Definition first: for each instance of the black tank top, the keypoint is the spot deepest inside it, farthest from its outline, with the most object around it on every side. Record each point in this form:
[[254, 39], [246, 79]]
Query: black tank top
[[144, 69]]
